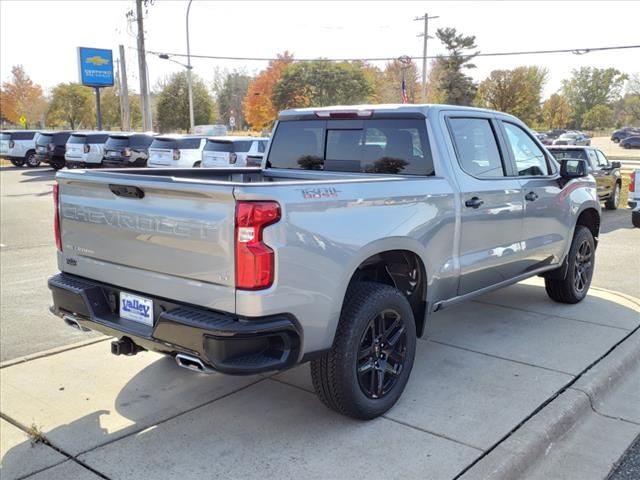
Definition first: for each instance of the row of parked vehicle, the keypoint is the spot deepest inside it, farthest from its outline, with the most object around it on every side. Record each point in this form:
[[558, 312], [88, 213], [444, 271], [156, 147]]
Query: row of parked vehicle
[[560, 136], [92, 149], [627, 137]]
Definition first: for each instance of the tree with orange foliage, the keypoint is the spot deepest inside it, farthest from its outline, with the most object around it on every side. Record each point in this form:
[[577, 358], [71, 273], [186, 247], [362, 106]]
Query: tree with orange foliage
[[22, 97], [259, 110]]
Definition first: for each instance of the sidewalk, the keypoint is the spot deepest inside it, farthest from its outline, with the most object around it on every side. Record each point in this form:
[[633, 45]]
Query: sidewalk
[[504, 384]]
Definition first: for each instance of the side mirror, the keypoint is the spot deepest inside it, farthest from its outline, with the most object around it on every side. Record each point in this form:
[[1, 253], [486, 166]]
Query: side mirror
[[254, 160], [573, 168], [616, 164]]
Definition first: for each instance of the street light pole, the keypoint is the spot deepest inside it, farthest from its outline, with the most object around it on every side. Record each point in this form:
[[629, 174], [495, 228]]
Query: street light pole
[[189, 85]]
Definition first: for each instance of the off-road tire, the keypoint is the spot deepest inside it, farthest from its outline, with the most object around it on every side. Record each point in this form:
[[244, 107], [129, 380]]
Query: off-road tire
[[334, 374], [567, 289], [613, 201], [17, 163]]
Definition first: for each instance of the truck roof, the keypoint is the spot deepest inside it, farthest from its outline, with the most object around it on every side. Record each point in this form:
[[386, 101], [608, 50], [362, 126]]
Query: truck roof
[[390, 108]]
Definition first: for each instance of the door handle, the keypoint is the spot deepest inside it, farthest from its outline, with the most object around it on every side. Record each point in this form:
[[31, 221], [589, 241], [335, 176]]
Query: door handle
[[475, 202], [531, 196]]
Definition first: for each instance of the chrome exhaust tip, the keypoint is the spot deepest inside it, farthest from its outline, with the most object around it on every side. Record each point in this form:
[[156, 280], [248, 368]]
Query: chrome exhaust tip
[[192, 363], [74, 323]]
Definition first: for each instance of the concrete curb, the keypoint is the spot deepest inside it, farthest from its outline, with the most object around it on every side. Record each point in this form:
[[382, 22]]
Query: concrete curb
[[512, 457], [515, 455], [52, 351], [607, 374]]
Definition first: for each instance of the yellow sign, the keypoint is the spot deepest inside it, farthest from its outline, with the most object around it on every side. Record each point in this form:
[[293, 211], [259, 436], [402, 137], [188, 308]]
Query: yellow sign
[[22, 120], [97, 60]]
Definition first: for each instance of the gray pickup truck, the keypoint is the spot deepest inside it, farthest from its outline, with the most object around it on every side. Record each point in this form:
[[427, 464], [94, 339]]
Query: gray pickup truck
[[362, 223]]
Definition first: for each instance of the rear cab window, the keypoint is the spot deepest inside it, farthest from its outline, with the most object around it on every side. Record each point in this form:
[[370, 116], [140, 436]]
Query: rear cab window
[[383, 146], [476, 147]]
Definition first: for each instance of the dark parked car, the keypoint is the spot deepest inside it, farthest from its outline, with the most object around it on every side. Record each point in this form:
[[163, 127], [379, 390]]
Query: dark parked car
[[555, 133], [606, 173], [630, 142], [623, 133], [51, 147], [127, 150]]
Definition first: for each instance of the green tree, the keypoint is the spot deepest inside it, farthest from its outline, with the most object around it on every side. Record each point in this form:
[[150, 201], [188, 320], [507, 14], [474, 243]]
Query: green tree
[[111, 114], [453, 85], [72, 105], [589, 87], [600, 116], [321, 83], [556, 111], [173, 103], [516, 91], [231, 89]]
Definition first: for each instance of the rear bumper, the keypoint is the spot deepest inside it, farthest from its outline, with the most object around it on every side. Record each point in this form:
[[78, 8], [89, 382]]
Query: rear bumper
[[221, 341]]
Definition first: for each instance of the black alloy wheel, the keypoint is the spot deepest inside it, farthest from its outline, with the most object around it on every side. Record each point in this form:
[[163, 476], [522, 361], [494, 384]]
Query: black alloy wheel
[[382, 353]]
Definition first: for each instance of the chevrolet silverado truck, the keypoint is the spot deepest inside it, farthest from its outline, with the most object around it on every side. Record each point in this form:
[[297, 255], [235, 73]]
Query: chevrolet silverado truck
[[361, 223]]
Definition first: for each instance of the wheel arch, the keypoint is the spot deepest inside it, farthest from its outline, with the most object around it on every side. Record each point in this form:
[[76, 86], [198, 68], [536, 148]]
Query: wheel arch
[[403, 268]]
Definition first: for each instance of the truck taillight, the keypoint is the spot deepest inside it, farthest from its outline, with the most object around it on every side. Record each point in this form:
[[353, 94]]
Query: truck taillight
[[255, 265], [233, 158], [632, 185], [56, 215], [176, 154], [87, 148], [12, 144]]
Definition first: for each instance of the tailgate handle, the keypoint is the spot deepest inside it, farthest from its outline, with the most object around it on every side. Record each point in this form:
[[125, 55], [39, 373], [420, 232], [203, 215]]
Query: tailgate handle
[[128, 191]]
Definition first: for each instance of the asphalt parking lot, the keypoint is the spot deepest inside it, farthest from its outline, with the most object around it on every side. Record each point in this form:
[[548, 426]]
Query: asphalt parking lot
[[492, 377]]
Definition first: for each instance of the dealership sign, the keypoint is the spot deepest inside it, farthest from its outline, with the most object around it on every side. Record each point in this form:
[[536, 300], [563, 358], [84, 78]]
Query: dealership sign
[[95, 66]]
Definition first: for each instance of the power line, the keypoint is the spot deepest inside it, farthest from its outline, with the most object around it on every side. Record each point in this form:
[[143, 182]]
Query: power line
[[575, 51]]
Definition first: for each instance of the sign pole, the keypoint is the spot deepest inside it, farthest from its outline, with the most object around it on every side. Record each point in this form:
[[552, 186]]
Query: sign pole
[[98, 112]]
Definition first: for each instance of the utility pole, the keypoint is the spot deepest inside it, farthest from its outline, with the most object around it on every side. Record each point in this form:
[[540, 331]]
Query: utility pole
[[426, 36], [147, 124], [124, 93], [189, 81]]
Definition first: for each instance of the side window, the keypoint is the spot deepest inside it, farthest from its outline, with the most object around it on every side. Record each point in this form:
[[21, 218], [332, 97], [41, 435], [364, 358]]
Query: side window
[[529, 158], [602, 160], [593, 159], [476, 147]]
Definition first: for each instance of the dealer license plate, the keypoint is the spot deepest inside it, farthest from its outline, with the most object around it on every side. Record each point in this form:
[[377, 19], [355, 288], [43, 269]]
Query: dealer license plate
[[138, 309]]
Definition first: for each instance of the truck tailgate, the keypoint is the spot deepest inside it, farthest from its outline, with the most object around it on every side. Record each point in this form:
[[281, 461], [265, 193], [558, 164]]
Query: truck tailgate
[[179, 236]]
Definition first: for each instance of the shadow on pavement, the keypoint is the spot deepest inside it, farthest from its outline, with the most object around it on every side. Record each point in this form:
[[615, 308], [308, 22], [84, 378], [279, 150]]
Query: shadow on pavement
[[38, 175], [613, 220], [266, 426]]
